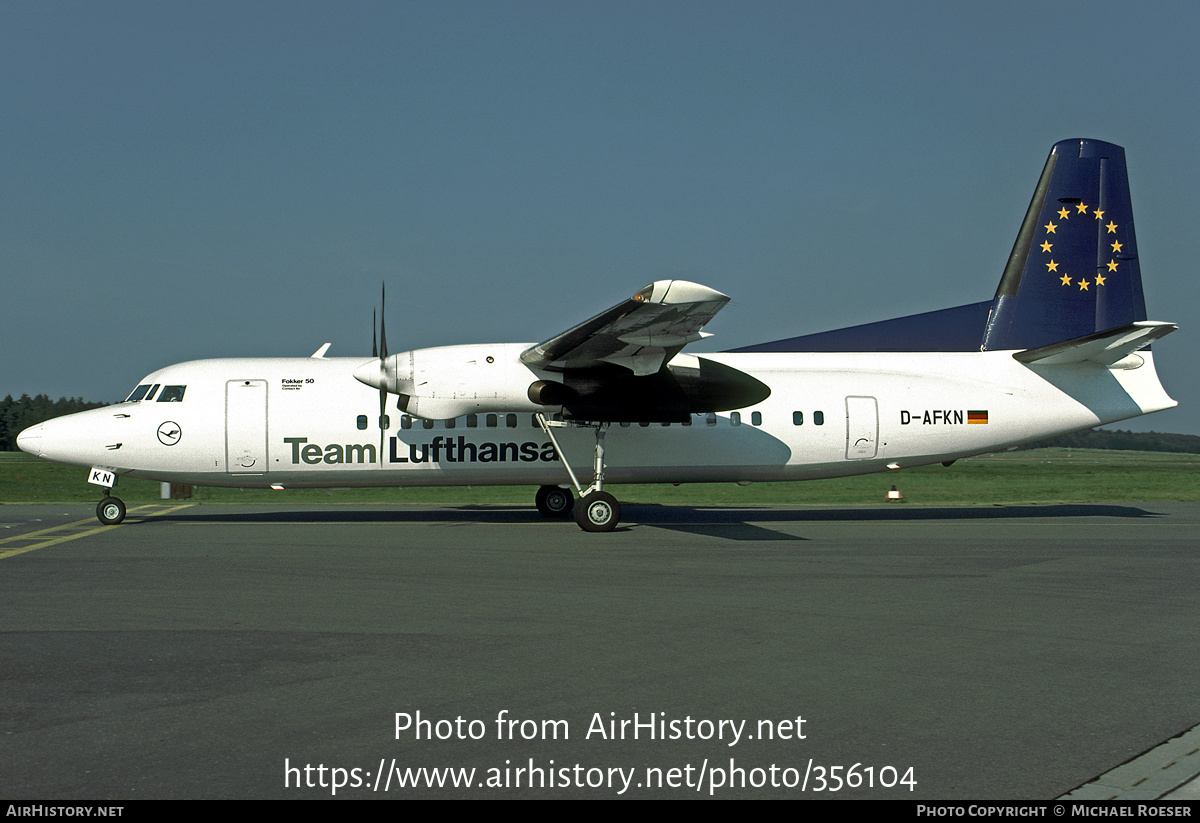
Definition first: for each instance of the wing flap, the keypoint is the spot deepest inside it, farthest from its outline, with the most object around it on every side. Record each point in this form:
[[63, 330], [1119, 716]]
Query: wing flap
[[639, 334]]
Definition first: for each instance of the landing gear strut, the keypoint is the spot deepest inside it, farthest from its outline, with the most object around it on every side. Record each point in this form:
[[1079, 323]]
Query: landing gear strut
[[111, 510], [596, 510]]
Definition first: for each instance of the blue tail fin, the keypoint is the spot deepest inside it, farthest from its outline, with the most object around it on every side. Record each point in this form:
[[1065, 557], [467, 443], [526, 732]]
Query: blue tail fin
[[1074, 269], [1073, 272]]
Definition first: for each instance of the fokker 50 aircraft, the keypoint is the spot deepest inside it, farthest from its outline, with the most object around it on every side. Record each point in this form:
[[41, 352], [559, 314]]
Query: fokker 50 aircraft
[[1063, 345]]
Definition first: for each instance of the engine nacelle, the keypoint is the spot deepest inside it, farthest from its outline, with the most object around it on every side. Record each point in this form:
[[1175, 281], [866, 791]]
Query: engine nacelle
[[687, 385], [450, 381]]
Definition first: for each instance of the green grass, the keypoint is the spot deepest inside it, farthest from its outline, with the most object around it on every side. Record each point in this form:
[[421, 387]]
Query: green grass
[[1039, 476]]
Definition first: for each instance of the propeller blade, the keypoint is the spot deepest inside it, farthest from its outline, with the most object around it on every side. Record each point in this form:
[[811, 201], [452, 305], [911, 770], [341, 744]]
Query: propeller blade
[[382, 355], [382, 428], [383, 323]]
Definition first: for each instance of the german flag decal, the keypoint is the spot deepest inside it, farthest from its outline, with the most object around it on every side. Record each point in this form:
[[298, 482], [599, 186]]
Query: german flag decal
[[977, 416]]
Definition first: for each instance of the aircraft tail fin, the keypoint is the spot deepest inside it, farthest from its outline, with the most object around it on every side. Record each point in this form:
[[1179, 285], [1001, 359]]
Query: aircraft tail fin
[[1073, 271]]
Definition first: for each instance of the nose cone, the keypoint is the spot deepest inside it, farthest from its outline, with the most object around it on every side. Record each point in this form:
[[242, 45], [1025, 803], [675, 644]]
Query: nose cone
[[81, 439], [30, 440]]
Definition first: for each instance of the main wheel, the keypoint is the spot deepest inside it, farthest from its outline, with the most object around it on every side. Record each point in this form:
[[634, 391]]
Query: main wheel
[[554, 501], [597, 512], [110, 511]]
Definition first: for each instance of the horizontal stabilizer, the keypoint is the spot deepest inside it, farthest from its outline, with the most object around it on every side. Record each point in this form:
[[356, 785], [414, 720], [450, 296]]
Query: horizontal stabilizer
[[1105, 348]]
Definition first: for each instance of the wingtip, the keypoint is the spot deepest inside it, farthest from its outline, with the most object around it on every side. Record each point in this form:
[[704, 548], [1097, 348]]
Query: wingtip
[[679, 291]]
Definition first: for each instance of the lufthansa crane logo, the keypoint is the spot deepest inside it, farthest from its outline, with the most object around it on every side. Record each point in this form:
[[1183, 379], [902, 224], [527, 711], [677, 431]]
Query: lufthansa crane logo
[[169, 433]]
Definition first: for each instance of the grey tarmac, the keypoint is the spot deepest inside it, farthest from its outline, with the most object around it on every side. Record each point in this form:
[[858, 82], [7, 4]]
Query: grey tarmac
[[1000, 652]]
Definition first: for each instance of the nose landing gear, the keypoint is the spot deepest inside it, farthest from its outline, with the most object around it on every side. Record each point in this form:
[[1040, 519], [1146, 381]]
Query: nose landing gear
[[111, 510]]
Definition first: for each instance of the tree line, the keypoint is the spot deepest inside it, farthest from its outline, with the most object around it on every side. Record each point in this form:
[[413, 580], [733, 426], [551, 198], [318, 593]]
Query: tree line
[[1122, 440], [18, 415]]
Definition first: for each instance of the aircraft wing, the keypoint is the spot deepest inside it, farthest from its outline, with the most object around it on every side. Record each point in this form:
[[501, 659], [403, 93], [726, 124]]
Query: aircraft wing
[[639, 334]]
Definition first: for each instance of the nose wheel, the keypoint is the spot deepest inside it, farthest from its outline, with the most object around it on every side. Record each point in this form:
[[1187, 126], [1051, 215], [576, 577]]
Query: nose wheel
[[111, 511]]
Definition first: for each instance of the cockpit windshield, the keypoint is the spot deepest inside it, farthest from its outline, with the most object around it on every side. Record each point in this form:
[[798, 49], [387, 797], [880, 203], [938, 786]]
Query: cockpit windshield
[[147, 391]]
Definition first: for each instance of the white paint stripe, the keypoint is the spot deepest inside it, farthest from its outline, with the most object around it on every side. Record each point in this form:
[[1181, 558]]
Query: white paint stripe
[[77, 529], [1149, 776]]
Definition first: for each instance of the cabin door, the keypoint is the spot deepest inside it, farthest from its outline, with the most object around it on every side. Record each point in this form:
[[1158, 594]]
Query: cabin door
[[246, 427], [862, 428]]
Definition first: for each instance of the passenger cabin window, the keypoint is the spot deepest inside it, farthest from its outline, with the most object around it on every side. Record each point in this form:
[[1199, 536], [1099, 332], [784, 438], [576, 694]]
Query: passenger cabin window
[[756, 418], [361, 422], [472, 421], [405, 421], [735, 418], [819, 418], [171, 394], [797, 418]]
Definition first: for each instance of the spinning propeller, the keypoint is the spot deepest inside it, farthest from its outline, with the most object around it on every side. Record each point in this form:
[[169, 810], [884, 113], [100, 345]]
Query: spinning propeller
[[381, 353], [381, 378]]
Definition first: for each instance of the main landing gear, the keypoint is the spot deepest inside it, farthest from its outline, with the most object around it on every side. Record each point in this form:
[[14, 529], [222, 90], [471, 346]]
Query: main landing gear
[[554, 501], [596, 510], [111, 510]]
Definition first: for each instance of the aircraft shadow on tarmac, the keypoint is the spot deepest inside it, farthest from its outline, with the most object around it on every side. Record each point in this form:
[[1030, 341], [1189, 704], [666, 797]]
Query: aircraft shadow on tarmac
[[728, 522]]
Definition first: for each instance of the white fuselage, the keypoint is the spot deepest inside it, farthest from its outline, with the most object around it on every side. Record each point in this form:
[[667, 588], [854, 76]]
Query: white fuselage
[[307, 422]]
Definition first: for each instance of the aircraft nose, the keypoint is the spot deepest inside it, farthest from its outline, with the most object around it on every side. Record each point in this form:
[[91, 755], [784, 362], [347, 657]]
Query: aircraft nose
[[30, 440]]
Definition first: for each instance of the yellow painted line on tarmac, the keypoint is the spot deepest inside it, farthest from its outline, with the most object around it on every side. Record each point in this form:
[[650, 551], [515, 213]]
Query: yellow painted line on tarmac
[[31, 541]]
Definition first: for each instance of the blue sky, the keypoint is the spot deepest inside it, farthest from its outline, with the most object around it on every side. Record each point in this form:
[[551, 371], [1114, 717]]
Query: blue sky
[[190, 180]]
